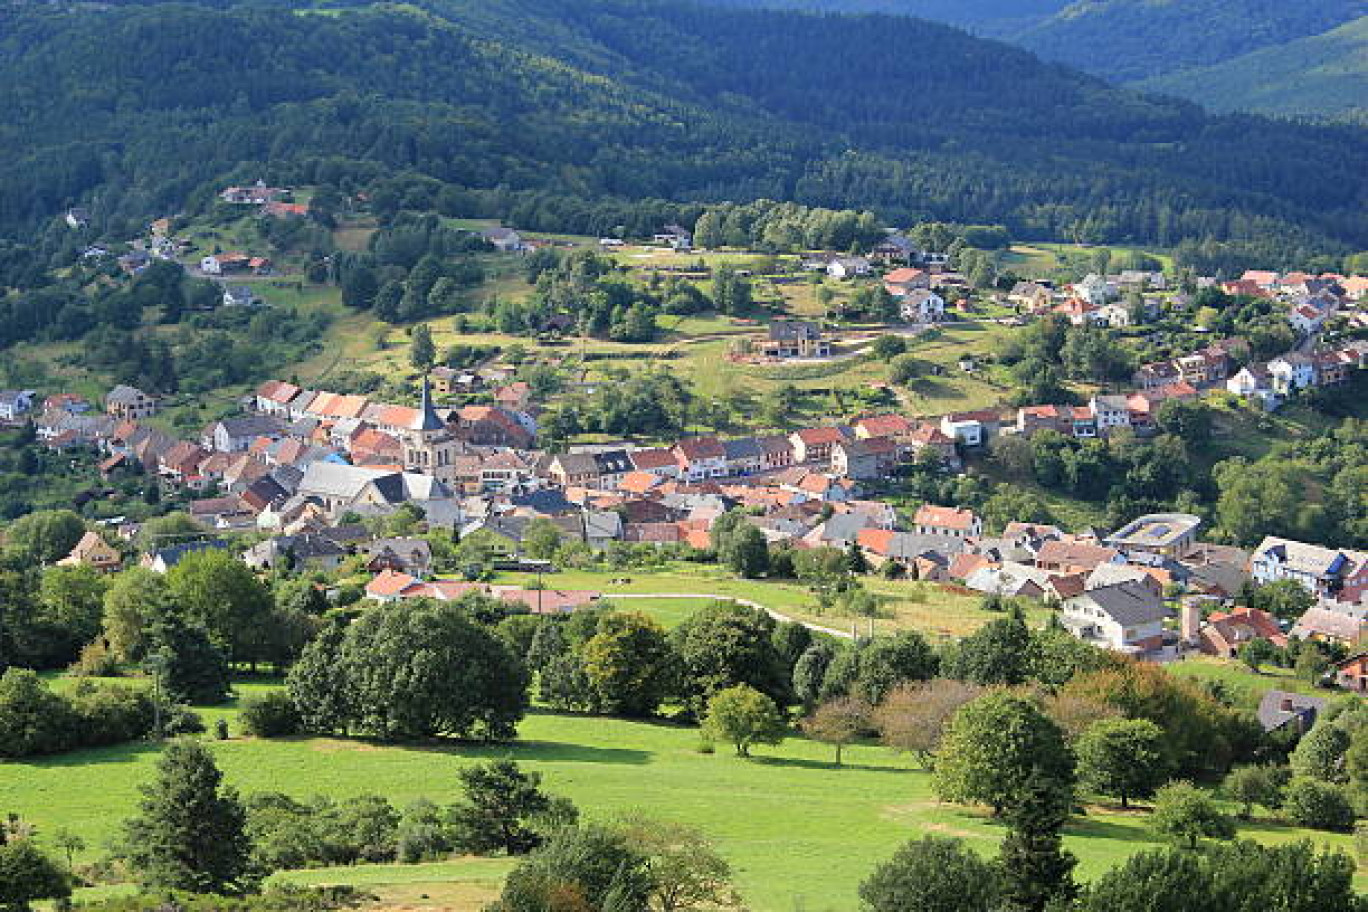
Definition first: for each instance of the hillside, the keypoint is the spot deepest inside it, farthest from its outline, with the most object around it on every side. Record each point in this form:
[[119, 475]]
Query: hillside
[[134, 110], [1323, 75]]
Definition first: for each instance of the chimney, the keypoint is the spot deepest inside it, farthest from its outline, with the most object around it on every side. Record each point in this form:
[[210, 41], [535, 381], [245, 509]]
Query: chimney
[[1191, 619], [1287, 704]]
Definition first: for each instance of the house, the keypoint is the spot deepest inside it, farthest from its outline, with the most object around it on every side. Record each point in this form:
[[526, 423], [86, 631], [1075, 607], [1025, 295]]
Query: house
[[1059, 556], [163, 559], [1292, 373], [1153, 376], [573, 469], [744, 456], [613, 466], [1030, 296], [796, 339], [238, 296], [1352, 673], [1162, 534], [902, 282], [1080, 311], [896, 248], [77, 217], [1260, 278], [814, 444], [1009, 579], [274, 398], [236, 435], [93, 551], [922, 306], [1281, 710], [1306, 318], [1250, 381], [1333, 367], [1226, 631], [1110, 413], [952, 522], [1329, 573], [907, 548], [1124, 618], [776, 451], [701, 457], [504, 240], [864, 458], [130, 403], [308, 550], [848, 267], [400, 555], [971, 429], [927, 438], [15, 403], [1095, 290], [676, 236], [656, 461], [1330, 622], [257, 194]]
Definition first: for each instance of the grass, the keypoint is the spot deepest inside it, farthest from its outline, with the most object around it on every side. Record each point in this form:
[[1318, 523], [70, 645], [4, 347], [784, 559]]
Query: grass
[[1244, 686], [799, 832]]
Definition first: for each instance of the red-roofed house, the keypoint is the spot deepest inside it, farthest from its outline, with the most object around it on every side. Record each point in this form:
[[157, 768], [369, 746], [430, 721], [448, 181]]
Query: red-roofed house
[[1226, 631], [701, 457], [951, 521], [814, 444]]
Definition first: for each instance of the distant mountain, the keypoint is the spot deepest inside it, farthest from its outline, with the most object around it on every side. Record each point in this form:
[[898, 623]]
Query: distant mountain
[[1129, 41], [134, 110], [1323, 75]]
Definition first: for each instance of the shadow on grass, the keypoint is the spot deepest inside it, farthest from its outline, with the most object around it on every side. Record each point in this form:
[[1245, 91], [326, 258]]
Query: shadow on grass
[[543, 751], [1094, 828], [828, 765], [127, 752]]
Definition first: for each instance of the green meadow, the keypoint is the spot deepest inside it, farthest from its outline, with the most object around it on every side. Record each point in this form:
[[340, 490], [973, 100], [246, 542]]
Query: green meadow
[[800, 832]]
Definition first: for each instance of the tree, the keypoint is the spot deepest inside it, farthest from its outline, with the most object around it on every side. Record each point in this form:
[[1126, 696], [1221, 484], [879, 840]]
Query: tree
[[190, 831], [218, 592], [44, 537], [856, 562], [422, 351], [685, 871], [999, 652], [725, 644], [359, 287], [70, 843], [1321, 751], [904, 369], [411, 670], [1122, 757], [1251, 785], [1317, 805], [742, 716], [912, 718], [72, 603], [28, 874], [1190, 421], [993, 746], [747, 552], [1256, 653], [809, 673], [888, 662], [888, 346], [136, 601], [500, 802], [579, 869], [1285, 599], [541, 539], [1036, 871], [932, 874], [838, 722], [1188, 815], [33, 719], [629, 664]]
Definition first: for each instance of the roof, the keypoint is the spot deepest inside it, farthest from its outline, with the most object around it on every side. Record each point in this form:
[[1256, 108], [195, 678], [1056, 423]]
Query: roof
[[819, 435], [1128, 604], [1279, 707], [1327, 622], [1301, 557], [125, 394], [794, 329], [945, 517], [1154, 530], [1073, 553], [654, 458]]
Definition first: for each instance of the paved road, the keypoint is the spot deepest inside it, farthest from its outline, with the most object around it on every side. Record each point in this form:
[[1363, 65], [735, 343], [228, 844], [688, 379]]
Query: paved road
[[778, 616]]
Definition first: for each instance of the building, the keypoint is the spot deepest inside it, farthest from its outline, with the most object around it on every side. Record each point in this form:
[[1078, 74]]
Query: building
[[93, 551], [14, 404], [238, 296], [796, 339], [1162, 534], [1226, 631], [847, 267], [1281, 710], [130, 403], [814, 444], [1124, 618], [504, 240], [1328, 573], [922, 306], [952, 522]]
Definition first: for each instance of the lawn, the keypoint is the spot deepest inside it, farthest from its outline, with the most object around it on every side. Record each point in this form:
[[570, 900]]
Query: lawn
[[1245, 686], [800, 832]]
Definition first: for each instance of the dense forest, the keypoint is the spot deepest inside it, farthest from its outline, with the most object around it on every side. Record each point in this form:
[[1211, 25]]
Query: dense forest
[[145, 109]]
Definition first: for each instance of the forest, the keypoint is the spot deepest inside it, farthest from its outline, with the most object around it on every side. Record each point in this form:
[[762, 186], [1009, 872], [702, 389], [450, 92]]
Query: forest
[[145, 109]]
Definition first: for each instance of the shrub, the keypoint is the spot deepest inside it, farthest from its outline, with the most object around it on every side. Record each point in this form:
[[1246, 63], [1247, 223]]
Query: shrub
[[270, 715], [1318, 805]]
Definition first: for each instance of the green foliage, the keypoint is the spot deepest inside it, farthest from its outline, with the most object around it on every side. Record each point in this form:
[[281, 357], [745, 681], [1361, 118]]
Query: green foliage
[[838, 722], [34, 720], [725, 644], [1251, 785], [43, 537], [1037, 873], [1320, 753], [589, 867], [190, 832], [269, 715], [410, 671], [999, 652], [996, 744], [28, 874], [1318, 805], [215, 590], [629, 664], [742, 716], [286, 833], [1121, 757], [1187, 815], [500, 803], [932, 874]]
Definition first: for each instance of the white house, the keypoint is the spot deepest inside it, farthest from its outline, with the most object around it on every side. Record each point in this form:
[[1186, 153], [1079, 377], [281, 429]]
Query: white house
[[1127, 617], [1115, 315], [922, 305], [1110, 413], [1095, 289], [967, 429], [847, 267], [1306, 318], [1325, 572], [1292, 372], [238, 296]]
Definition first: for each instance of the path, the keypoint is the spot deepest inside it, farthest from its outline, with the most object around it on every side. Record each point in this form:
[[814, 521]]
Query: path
[[778, 616]]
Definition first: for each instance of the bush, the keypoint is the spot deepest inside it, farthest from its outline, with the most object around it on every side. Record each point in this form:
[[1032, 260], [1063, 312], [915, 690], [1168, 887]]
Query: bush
[[270, 715], [1318, 805], [179, 719]]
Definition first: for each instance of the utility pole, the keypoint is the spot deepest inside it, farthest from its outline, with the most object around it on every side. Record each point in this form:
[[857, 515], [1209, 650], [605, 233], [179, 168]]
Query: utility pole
[[156, 664]]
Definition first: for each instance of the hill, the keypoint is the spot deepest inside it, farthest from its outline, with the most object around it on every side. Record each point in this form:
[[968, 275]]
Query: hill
[[1323, 75], [1130, 41], [133, 110]]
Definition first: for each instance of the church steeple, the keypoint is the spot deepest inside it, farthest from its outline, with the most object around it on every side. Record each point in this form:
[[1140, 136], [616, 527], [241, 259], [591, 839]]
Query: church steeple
[[428, 419]]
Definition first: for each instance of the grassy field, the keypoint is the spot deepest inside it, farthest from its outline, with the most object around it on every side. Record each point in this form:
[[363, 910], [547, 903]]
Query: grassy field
[[800, 832], [1243, 685]]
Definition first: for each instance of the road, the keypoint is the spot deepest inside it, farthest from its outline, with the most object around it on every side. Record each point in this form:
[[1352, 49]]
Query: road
[[778, 616]]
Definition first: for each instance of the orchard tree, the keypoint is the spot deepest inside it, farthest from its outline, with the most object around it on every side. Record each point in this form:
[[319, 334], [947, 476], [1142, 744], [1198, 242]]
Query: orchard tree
[[501, 801], [913, 717], [838, 722], [190, 830], [742, 716], [726, 644], [686, 872], [1122, 757], [1187, 815], [1000, 652], [1251, 785], [1318, 805], [890, 661], [580, 868], [993, 746]]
